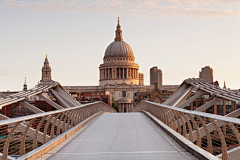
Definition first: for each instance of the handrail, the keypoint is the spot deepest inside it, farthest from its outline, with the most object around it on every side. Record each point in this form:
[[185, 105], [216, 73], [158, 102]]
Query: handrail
[[23, 134], [24, 118], [208, 115], [219, 135]]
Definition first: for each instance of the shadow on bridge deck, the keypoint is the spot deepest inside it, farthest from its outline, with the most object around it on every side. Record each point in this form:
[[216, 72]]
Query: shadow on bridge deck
[[122, 136]]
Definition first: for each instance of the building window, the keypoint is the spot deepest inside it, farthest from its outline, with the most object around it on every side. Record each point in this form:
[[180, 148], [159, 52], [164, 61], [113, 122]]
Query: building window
[[199, 104], [194, 104], [124, 93]]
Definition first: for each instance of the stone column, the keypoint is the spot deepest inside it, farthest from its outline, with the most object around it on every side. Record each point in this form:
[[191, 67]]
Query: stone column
[[130, 73], [102, 74], [119, 107], [134, 73], [112, 73], [127, 107], [108, 74], [137, 73], [122, 108], [120, 73], [123, 74], [127, 73], [105, 73]]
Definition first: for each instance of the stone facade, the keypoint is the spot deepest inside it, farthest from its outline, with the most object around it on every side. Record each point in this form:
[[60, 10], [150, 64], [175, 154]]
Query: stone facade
[[206, 74], [116, 91], [156, 76], [141, 79]]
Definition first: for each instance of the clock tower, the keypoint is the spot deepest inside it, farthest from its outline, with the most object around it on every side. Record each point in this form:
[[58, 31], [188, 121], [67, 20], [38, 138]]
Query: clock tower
[[46, 72]]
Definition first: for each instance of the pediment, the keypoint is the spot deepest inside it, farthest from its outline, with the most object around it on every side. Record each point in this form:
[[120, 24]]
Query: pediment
[[155, 91], [124, 85], [157, 99]]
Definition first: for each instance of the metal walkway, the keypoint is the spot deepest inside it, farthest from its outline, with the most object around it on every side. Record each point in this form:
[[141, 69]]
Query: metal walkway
[[122, 136]]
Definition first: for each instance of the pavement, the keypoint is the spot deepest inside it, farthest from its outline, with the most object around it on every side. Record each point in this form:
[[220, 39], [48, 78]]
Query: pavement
[[122, 136]]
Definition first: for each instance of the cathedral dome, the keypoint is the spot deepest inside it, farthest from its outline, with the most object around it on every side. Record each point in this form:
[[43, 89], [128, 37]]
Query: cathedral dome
[[118, 48]]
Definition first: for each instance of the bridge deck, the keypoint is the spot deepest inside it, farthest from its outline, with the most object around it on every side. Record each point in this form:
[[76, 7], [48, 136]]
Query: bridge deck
[[122, 136]]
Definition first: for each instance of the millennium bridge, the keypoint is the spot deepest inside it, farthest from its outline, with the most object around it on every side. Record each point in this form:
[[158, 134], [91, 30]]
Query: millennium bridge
[[97, 131]]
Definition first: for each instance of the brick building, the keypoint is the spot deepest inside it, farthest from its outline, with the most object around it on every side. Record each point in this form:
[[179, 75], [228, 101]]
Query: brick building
[[155, 95], [84, 97]]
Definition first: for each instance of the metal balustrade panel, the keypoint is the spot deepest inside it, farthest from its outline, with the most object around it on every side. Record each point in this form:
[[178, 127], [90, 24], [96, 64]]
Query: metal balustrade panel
[[220, 134], [19, 136]]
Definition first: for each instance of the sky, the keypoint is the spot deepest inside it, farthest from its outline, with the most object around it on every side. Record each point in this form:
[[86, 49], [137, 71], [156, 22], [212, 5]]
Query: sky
[[178, 36]]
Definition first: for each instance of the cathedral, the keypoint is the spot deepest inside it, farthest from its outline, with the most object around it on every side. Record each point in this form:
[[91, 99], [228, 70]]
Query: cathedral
[[118, 75], [118, 63]]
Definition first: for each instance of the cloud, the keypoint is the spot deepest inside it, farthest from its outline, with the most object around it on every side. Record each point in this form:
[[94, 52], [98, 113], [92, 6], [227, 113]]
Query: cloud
[[139, 8], [7, 73]]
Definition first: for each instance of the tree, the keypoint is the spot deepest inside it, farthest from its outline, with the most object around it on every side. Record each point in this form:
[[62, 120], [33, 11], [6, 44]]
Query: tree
[[114, 106]]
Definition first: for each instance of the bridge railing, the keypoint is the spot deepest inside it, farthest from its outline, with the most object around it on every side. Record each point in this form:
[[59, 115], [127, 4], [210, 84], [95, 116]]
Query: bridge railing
[[219, 135], [19, 136]]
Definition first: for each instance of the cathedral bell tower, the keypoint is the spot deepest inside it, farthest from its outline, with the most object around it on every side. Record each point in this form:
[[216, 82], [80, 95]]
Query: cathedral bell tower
[[46, 72]]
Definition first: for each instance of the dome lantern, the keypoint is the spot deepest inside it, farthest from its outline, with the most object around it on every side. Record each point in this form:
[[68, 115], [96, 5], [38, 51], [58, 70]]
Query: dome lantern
[[118, 32], [118, 48]]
